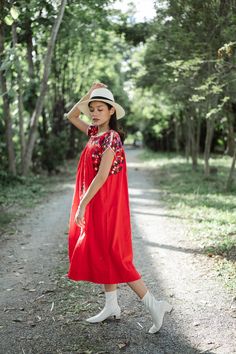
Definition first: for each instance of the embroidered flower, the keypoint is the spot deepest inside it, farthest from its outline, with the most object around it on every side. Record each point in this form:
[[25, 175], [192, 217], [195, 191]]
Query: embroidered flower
[[92, 130], [100, 144]]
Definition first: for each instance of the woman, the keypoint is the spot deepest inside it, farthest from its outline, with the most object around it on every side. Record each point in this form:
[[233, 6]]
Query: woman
[[100, 246]]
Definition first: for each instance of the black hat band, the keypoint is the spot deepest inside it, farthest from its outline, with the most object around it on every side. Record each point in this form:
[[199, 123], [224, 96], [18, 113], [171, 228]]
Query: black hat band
[[104, 98]]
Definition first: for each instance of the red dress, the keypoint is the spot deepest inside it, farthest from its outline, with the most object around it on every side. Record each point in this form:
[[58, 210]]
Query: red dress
[[101, 251]]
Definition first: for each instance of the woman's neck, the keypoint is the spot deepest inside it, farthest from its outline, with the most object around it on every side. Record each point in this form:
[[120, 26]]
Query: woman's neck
[[103, 129]]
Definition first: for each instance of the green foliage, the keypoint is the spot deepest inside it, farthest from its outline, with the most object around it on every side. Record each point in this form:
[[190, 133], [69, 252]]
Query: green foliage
[[88, 48], [7, 179], [53, 152], [19, 194], [204, 205], [134, 33], [190, 59], [12, 16], [176, 70]]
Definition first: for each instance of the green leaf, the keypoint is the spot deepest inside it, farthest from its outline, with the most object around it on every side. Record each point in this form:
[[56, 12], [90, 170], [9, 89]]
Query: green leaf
[[14, 12], [6, 64], [213, 111], [8, 20], [197, 98]]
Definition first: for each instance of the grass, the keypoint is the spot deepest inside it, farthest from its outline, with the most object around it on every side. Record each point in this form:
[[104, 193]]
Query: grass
[[203, 204], [20, 194]]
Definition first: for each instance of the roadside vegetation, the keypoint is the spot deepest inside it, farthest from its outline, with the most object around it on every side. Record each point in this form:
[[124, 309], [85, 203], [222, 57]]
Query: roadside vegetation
[[19, 194], [204, 205]]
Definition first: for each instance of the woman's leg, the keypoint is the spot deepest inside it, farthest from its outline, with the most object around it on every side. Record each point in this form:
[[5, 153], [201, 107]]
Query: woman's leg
[[110, 287], [139, 287], [156, 308]]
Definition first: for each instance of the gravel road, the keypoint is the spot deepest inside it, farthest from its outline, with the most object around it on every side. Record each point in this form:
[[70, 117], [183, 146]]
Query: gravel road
[[43, 312]]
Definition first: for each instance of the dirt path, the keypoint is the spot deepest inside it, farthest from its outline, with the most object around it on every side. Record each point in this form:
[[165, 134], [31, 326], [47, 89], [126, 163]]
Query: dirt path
[[42, 312]]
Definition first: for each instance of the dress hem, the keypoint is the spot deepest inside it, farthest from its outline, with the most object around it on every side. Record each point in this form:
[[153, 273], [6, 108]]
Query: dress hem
[[104, 282]]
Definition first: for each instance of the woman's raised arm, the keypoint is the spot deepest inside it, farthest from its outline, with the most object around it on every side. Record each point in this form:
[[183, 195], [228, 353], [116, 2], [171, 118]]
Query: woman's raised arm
[[73, 114]]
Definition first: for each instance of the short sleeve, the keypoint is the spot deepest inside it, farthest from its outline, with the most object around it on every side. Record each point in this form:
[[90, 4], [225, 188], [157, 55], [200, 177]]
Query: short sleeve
[[92, 130], [113, 141]]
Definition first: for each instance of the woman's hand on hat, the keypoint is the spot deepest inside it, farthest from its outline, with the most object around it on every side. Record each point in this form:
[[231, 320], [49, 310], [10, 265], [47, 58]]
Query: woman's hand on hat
[[97, 85]]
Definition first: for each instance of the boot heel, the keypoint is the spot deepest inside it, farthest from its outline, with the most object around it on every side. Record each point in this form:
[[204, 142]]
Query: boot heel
[[117, 315], [157, 310]]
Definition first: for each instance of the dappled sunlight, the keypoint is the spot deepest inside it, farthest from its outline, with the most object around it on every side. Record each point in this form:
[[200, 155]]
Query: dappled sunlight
[[142, 198], [135, 164], [207, 209]]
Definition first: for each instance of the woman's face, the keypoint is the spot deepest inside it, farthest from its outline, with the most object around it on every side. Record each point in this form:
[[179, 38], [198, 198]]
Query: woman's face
[[100, 113]]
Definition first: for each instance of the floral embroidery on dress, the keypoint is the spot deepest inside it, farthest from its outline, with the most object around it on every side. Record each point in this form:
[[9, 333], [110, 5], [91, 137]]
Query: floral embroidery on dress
[[110, 139], [96, 157], [92, 130]]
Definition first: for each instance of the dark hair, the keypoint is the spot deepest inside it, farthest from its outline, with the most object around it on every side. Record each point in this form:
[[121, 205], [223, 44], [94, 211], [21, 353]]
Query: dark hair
[[113, 124]]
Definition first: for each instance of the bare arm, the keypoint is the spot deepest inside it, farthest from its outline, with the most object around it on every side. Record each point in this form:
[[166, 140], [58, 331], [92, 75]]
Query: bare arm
[[96, 184], [73, 116], [74, 113]]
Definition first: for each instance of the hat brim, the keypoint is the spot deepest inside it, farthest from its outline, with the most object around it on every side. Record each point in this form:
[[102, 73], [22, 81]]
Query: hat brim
[[83, 107]]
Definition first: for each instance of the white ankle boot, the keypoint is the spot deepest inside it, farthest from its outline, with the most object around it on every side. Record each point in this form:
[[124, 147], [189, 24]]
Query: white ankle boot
[[111, 308], [157, 310]]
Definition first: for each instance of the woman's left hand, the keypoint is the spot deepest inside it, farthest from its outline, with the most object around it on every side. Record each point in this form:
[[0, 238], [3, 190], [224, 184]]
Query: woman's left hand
[[79, 216]]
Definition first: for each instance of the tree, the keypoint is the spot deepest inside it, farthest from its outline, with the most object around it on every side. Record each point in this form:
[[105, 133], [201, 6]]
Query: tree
[[82, 53], [181, 62], [42, 91], [5, 96]]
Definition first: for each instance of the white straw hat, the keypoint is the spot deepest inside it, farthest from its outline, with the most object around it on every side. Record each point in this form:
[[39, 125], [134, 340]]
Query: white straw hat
[[104, 95]]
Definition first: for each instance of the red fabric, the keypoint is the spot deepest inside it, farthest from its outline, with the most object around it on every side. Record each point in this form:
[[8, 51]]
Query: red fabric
[[101, 252]]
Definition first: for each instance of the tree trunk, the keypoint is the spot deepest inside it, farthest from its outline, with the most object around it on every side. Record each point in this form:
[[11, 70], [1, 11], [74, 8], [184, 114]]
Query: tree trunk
[[209, 135], [198, 134], [193, 142], [176, 130], [58, 122], [29, 44], [6, 102], [230, 137], [43, 87], [32, 67], [19, 96], [231, 173], [187, 139]]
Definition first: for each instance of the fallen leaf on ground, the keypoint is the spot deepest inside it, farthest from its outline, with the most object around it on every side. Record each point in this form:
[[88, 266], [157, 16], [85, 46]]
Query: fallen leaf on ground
[[122, 345], [31, 323], [139, 324], [52, 307], [6, 309], [17, 320], [39, 297], [49, 291]]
